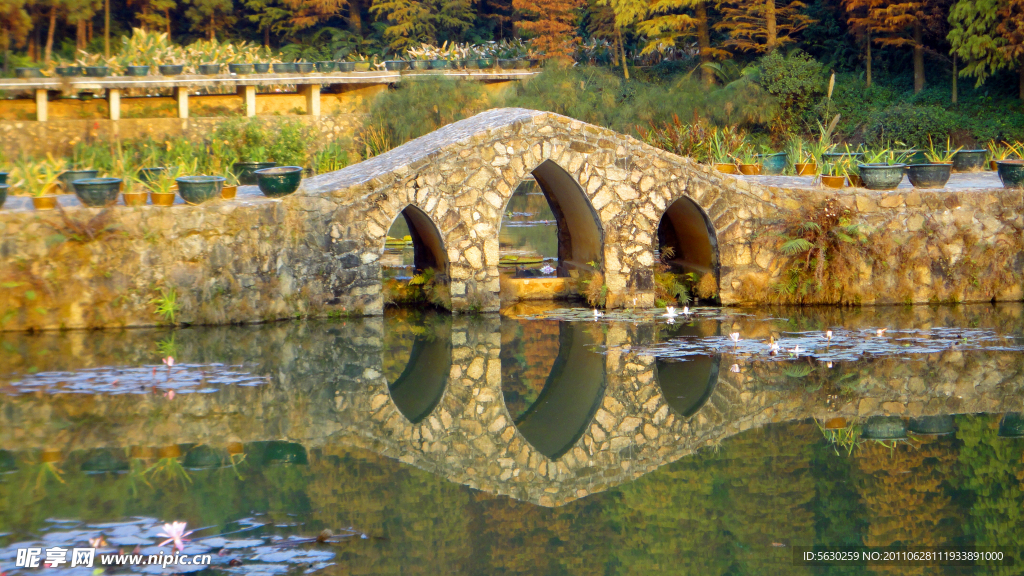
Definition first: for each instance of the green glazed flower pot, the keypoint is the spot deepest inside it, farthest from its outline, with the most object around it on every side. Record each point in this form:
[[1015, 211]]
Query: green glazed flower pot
[[203, 456], [278, 452], [929, 175], [522, 63], [440, 65], [773, 163], [969, 160], [209, 69], [97, 71], [485, 63], [419, 64], [261, 68], [97, 192], [68, 71], [28, 73], [170, 69], [104, 460], [199, 189], [67, 178], [362, 66], [241, 69], [8, 462], [1011, 173], [833, 157], [914, 156], [3, 177], [395, 65], [471, 64], [885, 428], [3, 194], [304, 67], [150, 174], [881, 177], [245, 171], [284, 68], [933, 425], [346, 66], [506, 64], [324, 67], [136, 71], [279, 181], [1012, 425]]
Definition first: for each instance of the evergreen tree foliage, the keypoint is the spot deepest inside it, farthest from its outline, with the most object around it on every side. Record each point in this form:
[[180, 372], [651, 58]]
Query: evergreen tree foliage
[[209, 16], [409, 22], [761, 25]]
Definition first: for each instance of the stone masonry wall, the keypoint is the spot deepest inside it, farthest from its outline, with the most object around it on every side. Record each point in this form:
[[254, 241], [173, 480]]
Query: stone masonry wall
[[318, 251]]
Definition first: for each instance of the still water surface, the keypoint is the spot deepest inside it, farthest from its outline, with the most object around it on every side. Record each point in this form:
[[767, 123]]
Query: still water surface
[[495, 445]]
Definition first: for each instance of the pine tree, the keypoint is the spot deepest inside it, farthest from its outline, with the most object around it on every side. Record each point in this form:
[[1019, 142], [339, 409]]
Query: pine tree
[[269, 16], [862, 18], [989, 36], [905, 24], [761, 25], [15, 24], [670, 23], [625, 14], [308, 13], [409, 22], [551, 25], [209, 15]]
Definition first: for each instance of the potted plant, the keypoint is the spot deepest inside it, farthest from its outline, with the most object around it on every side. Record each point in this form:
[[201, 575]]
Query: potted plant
[[1002, 151], [304, 67], [209, 69], [134, 64], [81, 167], [162, 189], [419, 58], [97, 192], [65, 69], [284, 68], [279, 180], [241, 68], [798, 152], [882, 170], [28, 73], [885, 428], [230, 186], [39, 179], [3, 193], [934, 173], [325, 66], [938, 425], [969, 160], [721, 154], [395, 65], [834, 173], [133, 194], [747, 162], [199, 188], [252, 159], [833, 154], [1012, 425], [1011, 173], [772, 163]]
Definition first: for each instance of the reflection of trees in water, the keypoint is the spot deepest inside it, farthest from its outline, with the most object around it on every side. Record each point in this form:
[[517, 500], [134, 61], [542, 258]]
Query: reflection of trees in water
[[528, 352], [528, 204], [905, 491]]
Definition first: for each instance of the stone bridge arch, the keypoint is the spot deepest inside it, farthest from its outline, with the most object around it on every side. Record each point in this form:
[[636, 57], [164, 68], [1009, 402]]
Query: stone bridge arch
[[462, 176], [580, 235]]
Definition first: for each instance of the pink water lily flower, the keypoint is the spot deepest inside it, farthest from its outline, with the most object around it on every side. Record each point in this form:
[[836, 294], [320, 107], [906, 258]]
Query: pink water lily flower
[[169, 361], [175, 532]]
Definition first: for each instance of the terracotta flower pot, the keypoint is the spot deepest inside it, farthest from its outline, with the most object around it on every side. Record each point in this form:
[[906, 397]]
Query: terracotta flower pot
[[855, 180], [161, 199], [806, 168], [726, 168], [835, 424], [992, 165], [172, 451], [144, 452], [45, 202], [51, 455], [833, 181], [235, 448], [750, 169], [228, 192]]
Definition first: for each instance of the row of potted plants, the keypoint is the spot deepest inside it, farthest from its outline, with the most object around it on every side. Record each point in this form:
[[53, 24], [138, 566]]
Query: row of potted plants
[[886, 428], [881, 168], [44, 180]]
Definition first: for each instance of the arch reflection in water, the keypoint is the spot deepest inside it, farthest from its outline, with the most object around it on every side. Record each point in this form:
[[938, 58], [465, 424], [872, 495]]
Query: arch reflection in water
[[688, 383], [552, 380], [417, 360]]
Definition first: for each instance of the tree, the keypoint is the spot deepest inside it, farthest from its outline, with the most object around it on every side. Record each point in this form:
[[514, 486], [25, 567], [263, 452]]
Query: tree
[[305, 14], [209, 15], [550, 24], [626, 13], [155, 14], [670, 23], [761, 25], [862, 17], [988, 35], [409, 22], [15, 24], [904, 24]]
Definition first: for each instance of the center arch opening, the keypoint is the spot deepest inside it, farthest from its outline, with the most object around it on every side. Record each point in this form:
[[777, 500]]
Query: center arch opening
[[688, 250], [549, 230], [414, 262]]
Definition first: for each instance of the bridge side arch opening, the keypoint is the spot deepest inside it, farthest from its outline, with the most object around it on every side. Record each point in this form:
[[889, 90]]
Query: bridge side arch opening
[[688, 246], [414, 263], [549, 230]]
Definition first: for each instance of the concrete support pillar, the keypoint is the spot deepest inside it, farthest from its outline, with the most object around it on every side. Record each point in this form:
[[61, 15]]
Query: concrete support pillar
[[312, 93], [41, 101], [181, 95], [114, 103], [248, 93]]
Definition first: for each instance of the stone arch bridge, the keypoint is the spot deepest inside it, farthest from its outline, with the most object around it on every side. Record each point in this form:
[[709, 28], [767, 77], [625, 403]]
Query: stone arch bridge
[[616, 200]]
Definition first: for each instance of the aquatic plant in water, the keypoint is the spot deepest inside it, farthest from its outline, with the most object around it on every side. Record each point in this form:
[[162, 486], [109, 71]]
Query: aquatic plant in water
[[175, 532]]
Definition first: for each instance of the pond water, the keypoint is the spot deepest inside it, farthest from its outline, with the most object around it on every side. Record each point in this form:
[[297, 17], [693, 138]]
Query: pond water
[[549, 442]]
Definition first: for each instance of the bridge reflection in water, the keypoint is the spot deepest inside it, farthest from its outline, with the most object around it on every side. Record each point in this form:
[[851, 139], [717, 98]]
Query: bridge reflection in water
[[543, 411]]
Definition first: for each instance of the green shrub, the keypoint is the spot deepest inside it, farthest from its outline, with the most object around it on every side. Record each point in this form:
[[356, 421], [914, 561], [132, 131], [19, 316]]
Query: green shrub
[[795, 79], [585, 93], [910, 125], [420, 106]]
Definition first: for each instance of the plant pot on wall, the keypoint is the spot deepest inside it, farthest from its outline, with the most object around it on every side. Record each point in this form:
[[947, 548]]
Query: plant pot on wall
[[1012, 425], [68, 177], [228, 192], [97, 71], [96, 192], [885, 428], [134, 198], [362, 66], [833, 181], [325, 66], [929, 175], [346, 66], [241, 69], [284, 68], [806, 168], [245, 171], [279, 181], [3, 194], [163, 199], [44, 202], [726, 168], [933, 425], [28, 73], [304, 67], [208, 69], [199, 189], [772, 164], [1011, 173], [419, 64], [969, 160], [881, 176], [750, 169], [150, 174], [395, 65], [170, 69], [136, 71]]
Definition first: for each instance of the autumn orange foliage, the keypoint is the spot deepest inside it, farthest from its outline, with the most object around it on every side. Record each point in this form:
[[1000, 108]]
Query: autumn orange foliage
[[551, 25]]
